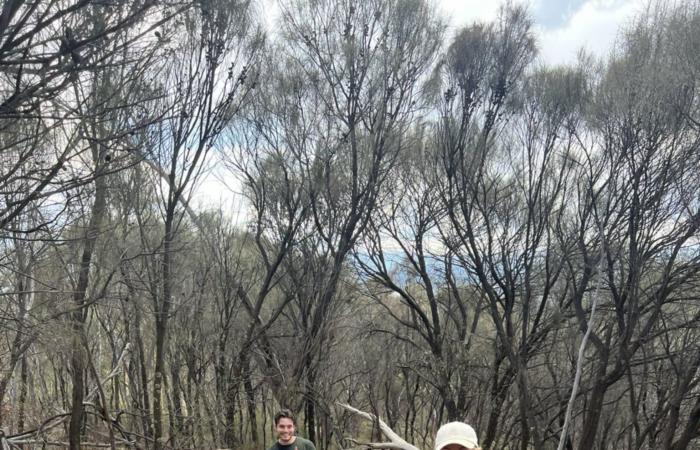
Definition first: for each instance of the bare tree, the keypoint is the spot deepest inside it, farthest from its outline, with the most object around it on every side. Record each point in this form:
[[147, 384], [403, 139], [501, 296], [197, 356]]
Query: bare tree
[[45, 47], [638, 178], [205, 85], [361, 64]]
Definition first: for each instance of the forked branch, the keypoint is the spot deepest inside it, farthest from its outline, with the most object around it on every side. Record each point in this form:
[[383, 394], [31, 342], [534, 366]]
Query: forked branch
[[396, 442]]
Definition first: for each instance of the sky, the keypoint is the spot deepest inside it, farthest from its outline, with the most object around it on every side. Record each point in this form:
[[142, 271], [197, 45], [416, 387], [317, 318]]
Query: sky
[[563, 27]]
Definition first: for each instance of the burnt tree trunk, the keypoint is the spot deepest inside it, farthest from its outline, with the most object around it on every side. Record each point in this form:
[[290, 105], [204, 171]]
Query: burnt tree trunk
[[79, 315]]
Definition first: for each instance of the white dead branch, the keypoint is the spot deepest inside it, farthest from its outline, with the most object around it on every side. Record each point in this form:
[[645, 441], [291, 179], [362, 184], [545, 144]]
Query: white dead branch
[[584, 341], [396, 441]]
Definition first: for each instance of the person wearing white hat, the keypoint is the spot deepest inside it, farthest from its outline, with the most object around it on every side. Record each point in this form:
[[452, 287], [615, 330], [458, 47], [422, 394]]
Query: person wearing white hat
[[456, 436]]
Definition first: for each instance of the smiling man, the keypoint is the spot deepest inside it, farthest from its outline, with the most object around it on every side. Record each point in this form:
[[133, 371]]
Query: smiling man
[[286, 439]]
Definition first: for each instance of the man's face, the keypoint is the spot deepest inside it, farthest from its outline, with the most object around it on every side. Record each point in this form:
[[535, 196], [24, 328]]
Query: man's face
[[285, 430]]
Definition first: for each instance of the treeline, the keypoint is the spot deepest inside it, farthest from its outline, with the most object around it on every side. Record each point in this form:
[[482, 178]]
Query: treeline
[[437, 227]]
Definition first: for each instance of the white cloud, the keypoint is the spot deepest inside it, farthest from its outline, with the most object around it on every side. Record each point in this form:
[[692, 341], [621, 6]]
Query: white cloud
[[270, 13], [593, 27], [464, 12], [220, 188]]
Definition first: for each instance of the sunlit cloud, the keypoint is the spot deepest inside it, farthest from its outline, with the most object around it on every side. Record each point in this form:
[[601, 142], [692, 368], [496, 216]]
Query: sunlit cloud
[[593, 27], [563, 27]]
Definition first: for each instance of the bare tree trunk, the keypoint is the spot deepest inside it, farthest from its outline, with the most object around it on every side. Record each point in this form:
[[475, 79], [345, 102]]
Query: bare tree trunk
[[162, 312], [675, 404], [499, 391], [172, 440], [564, 438], [310, 399], [7, 376], [198, 431], [691, 429], [232, 390], [138, 372], [21, 414], [21, 341], [250, 402], [177, 420], [78, 358], [213, 421], [594, 407], [230, 417], [143, 378]]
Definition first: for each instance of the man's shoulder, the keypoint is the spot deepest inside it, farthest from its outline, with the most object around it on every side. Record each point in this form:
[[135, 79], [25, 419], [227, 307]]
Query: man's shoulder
[[304, 444]]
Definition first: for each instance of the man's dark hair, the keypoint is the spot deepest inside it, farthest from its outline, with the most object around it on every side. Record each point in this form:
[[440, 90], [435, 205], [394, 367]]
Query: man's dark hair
[[284, 413]]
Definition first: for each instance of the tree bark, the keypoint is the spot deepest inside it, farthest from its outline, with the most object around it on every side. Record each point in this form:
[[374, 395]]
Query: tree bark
[[78, 317], [232, 390], [250, 402], [21, 341], [162, 312], [21, 415], [594, 407]]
